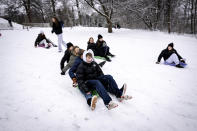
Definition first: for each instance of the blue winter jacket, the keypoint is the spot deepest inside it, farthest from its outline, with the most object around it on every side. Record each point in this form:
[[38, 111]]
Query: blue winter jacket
[[74, 67]]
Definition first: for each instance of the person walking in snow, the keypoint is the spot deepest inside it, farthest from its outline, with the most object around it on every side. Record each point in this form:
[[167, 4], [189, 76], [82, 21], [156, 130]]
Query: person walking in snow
[[103, 49], [67, 55], [170, 55], [42, 41], [57, 28], [74, 54], [90, 77]]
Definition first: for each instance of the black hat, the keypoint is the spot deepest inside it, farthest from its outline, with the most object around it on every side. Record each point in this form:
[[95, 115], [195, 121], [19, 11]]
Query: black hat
[[100, 36], [69, 45], [171, 45]]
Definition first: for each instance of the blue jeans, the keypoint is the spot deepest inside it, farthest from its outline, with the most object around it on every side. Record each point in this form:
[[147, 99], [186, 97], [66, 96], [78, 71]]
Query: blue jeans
[[87, 96], [104, 84]]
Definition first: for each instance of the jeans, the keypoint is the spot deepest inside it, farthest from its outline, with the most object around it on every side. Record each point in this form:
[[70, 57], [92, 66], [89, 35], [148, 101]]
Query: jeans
[[104, 84]]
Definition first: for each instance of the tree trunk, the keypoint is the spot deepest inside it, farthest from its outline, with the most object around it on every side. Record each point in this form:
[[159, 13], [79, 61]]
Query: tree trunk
[[109, 25], [195, 13], [169, 15], [79, 13], [53, 7], [192, 17]]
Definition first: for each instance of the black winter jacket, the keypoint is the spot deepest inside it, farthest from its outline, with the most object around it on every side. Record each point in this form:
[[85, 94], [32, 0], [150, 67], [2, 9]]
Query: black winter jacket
[[57, 28], [100, 44], [167, 53], [65, 58], [87, 71], [40, 38], [93, 47]]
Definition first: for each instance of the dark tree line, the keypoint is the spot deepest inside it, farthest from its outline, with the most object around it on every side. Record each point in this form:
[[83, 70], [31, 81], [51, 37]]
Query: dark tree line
[[165, 15]]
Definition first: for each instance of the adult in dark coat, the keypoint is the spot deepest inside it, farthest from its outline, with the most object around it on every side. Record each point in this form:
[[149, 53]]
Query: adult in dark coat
[[67, 55], [57, 28], [170, 55]]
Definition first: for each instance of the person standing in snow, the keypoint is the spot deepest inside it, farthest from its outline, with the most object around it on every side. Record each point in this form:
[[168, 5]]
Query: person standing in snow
[[90, 77], [170, 55], [103, 49], [57, 28], [42, 41], [67, 55], [74, 54]]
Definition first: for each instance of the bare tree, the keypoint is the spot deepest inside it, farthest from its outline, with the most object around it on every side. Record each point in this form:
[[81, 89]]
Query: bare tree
[[106, 10]]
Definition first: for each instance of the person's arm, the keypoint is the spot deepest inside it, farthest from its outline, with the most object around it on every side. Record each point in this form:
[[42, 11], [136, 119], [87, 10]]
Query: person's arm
[[160, 56], [180, 58], [98, 69], [80, 79], [64, 58], [36, 42]]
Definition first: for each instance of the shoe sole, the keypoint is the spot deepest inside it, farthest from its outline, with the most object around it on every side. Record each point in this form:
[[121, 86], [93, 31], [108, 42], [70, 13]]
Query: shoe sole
[[93, 102], [113, 107]]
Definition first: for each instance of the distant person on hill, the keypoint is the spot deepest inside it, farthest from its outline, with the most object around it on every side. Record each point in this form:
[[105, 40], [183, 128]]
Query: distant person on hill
[[103, 49], [42, 41], [57, 28], [10, 22], [90, 77], [170, 55]]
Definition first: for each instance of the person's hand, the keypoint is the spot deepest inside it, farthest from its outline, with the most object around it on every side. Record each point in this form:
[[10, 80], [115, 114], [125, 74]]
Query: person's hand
[[74, 82], [157, 62], [182, 60]]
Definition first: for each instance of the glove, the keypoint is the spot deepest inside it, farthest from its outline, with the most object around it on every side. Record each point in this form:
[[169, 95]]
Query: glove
[[182, 60], [74, 82], [52, 31], [157, 62]]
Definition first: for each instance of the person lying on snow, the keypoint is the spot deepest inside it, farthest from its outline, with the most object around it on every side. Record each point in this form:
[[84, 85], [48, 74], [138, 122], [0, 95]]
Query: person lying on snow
[[102, 48], [170, 55], [67, 55], [74, 54], [90, 77], [42, 41]]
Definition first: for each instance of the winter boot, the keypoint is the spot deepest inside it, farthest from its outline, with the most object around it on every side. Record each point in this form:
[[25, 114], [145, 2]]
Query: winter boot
[[124, 97], [111, 105], [111, 55], [107, 59], [179, 66], [93, 102], [62, 73]]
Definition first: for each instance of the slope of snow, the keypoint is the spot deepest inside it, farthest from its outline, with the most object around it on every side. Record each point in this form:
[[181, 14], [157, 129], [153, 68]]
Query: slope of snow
[[5, 25], [35, 97]]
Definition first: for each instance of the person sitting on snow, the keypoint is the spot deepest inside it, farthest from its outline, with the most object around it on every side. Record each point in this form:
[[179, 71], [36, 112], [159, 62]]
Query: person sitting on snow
[[67, 55], [74, 54], [90, 77], [170, 55], [42, 41], [102, 48], [92, 46]]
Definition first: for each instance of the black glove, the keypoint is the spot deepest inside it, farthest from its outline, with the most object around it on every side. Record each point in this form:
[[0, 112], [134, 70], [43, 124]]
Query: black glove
[[182, 60], [52, 31]]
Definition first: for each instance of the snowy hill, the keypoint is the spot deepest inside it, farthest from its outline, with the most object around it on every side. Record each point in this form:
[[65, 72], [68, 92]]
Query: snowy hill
[[35, 97], [5, 25]]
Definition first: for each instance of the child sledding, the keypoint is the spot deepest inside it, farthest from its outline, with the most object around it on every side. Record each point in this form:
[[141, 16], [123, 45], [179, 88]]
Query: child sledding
[[171, 57], [90, 77], [42, 41], [100, 48]]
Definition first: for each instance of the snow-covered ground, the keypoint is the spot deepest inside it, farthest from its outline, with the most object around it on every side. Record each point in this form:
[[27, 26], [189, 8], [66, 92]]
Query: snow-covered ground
[[5, 25], [35, 97]]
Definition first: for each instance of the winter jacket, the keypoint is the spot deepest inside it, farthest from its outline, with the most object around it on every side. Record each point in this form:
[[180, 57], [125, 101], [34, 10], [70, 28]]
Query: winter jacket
[[70, 63], [101, 44], [74, 67], [57, 28], [87, 71], [167, 53], [93, 47], [66, 58], [40, 38]]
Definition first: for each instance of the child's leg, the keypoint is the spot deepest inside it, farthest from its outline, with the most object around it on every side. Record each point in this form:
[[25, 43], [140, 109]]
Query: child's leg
[[66, 68], [173, 58], [43, 42], [110, 85], [88, 96], [96, 84]]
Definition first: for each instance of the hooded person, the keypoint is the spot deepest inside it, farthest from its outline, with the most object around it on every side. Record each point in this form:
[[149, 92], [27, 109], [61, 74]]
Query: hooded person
[[67, 55], [90, 77], [170, 55]]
